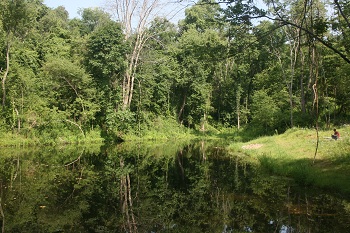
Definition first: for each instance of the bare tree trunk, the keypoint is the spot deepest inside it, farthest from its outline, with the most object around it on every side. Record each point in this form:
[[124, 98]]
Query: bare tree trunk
[[18, 120], [294, 52], [203, 122], [238, 106], [3, 81], [314, 73], [302, 89], [2, 214], [127, 201], [314, 77], [134, 16], [246, 109], [182, 109], [315, 102]]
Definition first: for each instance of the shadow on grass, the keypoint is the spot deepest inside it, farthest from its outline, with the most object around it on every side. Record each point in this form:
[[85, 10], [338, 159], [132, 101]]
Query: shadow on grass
[[234, 135], [324, 174]]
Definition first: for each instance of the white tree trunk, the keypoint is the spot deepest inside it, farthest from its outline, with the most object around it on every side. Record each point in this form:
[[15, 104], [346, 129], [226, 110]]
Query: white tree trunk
[[134, 15]]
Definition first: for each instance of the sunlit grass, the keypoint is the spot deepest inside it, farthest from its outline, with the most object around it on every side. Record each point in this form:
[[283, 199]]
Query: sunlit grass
[[293, 154]]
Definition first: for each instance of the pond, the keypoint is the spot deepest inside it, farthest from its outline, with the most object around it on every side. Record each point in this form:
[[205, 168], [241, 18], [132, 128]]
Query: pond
[[169, 187]]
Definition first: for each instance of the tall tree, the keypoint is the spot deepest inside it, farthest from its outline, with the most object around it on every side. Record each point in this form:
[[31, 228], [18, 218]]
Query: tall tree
[[17, 17], [202, 47], [135, 17], [105, 61], [158, 70]]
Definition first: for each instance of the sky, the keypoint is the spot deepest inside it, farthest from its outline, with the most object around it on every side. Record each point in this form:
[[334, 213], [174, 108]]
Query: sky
[[173, 11], [72, 6]]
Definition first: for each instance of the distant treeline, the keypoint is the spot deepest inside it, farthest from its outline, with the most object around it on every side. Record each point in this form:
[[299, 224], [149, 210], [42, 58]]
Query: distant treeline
[[219, 67]]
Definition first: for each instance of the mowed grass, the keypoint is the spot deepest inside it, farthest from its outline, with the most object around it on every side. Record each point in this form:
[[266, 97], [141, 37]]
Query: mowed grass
[[300, 154]]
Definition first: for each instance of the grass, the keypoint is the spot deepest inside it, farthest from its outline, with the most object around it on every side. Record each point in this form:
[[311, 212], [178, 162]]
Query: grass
[[293, 154], [10, 139]]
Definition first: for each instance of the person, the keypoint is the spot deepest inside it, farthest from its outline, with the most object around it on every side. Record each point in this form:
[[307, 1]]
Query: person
[[336, 134]]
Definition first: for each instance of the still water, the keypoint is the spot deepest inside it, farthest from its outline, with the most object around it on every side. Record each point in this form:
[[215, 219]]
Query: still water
[[171, 187]]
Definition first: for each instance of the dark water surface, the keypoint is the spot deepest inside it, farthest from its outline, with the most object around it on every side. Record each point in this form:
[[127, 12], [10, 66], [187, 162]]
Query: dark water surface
[[173, 187]]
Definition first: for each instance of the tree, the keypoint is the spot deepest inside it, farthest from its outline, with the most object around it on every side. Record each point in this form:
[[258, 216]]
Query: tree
[[283, 44], [204, 15], [17, 17], [105, 58], [54, 35], [242, 65], [69, 89], [105, 61], [201, 49], [135, 17], [158, 70], [91, 19], [264, 112]]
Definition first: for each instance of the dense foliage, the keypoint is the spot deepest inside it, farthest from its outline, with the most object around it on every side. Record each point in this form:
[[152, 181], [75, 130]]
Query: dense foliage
[[224, 65]]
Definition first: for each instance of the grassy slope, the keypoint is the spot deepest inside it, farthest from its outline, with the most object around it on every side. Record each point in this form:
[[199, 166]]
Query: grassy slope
[[292, 154]]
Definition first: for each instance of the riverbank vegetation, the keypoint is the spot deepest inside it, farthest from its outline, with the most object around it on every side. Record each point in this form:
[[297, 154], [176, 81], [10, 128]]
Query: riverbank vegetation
[[223, 66]]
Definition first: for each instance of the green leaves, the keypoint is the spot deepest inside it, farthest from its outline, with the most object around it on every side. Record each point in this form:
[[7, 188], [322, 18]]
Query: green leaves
[[105, 57], [242, 12], [92, 18], [17, 16], [264, 112], [198, 53], [70, 89]]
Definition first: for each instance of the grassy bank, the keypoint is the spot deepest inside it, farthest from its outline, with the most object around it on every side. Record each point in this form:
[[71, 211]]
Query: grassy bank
[[9, 139], [293, 154], [160, 129]]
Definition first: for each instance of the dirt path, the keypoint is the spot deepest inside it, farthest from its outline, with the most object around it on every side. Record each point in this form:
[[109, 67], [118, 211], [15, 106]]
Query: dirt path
[[252, 146]]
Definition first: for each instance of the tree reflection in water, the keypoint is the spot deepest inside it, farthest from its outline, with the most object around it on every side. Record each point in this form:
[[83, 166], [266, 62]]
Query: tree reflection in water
[[126, 199], [174, 187]]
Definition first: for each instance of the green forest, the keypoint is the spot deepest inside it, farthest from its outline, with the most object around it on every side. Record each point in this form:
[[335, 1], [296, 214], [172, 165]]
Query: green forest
[[115, 73]]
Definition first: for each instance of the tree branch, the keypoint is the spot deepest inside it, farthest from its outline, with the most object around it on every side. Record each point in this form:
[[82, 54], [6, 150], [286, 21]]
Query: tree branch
[[325, 43], [72, 122], [336, 2]]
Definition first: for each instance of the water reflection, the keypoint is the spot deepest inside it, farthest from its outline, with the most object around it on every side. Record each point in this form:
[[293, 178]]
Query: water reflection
[[174, 187]]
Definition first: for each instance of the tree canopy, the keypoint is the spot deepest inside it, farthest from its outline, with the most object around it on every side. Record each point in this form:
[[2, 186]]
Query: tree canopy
[[225, 64]]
